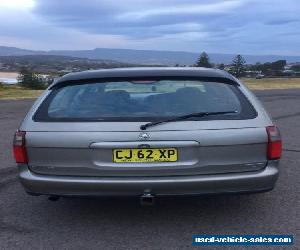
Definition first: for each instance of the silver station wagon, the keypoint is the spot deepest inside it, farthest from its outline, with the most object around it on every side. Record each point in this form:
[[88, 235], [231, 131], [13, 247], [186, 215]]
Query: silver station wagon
[[147, 132]]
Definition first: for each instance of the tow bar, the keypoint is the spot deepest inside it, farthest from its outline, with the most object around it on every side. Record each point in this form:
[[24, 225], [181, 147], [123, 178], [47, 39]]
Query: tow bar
[[147, 199]]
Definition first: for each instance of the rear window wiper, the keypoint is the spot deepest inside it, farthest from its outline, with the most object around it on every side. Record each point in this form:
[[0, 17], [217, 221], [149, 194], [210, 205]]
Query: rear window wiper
[[184, 117]]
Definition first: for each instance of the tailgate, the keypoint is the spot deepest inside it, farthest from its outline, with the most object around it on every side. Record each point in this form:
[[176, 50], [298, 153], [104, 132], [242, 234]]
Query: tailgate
[[200, 151]]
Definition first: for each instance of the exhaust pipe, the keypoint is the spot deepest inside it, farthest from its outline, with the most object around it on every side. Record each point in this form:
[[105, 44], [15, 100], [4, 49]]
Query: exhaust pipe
[[147, 199], [53, 198]]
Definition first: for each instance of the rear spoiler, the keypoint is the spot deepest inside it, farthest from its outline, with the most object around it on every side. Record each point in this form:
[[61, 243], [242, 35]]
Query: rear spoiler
[[61, 83]]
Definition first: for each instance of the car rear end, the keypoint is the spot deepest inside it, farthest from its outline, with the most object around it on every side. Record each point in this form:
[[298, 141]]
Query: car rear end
[[83, 136]]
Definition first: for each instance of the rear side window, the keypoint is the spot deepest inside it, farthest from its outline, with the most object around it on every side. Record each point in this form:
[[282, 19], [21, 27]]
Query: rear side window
[[143, 101]]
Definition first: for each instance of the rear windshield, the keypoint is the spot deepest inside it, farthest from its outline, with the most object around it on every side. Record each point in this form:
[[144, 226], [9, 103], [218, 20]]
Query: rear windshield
[[143, 101]]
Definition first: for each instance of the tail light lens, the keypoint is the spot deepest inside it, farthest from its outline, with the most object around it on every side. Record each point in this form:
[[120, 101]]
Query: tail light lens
[[19, 148], [274, 143]]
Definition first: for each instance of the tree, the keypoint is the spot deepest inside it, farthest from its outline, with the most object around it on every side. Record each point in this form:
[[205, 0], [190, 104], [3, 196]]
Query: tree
[[278, 65], [270, 68], [238, 66], [221, 66], [30, 80], [296, 67], [203, 61]]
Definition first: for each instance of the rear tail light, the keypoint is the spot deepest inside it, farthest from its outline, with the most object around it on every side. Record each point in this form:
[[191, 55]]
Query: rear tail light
[[19, 147], [274, 143]]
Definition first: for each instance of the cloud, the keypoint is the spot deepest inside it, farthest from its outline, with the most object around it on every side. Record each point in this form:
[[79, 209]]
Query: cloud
[[281, 21], [182, 9], [228, 26], [131, 16]]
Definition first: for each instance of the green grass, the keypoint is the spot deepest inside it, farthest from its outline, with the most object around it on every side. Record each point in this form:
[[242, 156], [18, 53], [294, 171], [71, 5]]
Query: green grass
[[272, 83], [17, 92]]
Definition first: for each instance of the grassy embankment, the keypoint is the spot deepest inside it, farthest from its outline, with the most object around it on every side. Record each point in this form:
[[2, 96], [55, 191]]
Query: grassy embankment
[[271, 83], [17, 92]]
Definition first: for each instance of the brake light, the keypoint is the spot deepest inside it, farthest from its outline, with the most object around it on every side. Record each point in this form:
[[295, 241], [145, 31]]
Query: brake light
[[19, 147], [274, 143]]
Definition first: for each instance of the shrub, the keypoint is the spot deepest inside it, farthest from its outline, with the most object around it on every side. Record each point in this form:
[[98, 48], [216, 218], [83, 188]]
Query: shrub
[[30, 80]]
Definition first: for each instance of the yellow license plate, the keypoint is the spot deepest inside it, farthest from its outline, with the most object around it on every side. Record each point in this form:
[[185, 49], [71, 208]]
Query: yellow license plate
[[145, 155]]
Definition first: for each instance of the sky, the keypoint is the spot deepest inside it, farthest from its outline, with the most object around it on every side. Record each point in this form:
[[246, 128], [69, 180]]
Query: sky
[[257, 27]]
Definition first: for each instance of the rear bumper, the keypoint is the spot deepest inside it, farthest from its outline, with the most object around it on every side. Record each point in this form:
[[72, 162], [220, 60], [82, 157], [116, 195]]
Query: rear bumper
[[257, 181]]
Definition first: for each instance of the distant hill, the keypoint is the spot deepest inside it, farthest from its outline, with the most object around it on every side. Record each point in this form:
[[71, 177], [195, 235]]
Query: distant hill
[[12, 51], [157, 57], [56, 63], [148, 57], [47, 58]]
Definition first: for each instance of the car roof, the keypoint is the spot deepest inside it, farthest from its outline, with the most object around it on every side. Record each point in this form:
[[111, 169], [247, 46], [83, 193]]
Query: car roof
[[138, 72]]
